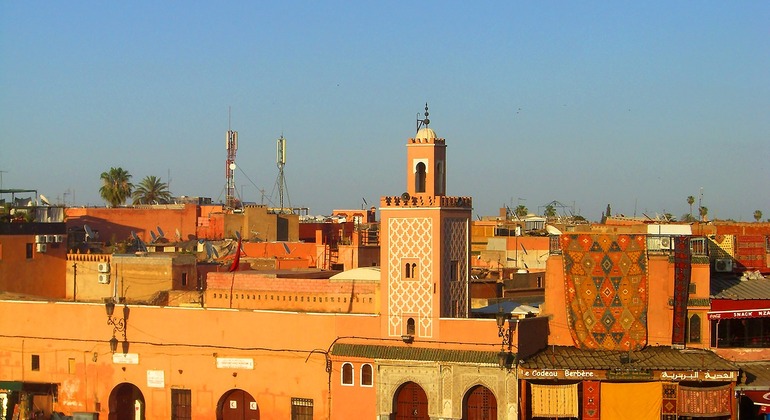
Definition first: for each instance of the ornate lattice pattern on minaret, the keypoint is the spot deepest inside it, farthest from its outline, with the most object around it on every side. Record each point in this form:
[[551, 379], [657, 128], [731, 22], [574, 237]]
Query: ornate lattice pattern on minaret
[[455, 293], [410, 238]]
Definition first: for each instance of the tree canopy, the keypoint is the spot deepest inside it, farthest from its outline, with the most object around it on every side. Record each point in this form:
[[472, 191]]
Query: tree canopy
[[116, 186], [151, 191]]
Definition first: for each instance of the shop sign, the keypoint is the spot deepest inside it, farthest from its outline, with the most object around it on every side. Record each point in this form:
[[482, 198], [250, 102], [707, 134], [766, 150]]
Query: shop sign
[[235, 363], [125, 359], [561, 374], [697, 376], [156, 379], [755, 313], [629, 375]]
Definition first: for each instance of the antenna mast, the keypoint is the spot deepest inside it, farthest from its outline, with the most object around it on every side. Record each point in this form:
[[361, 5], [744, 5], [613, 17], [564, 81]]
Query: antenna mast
[[280, 160], [232, 148]]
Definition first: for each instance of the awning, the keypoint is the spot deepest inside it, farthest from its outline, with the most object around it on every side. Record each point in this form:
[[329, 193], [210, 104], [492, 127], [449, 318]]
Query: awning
[[742, 313], [33, 387], [760, 398], [10, 385]]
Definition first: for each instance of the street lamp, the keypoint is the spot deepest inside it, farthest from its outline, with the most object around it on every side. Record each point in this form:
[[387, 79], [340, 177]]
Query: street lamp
[[504, 332], [118, 325]]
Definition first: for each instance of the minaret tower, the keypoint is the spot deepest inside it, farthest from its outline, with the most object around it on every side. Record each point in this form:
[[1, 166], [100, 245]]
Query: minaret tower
[[425, 244]]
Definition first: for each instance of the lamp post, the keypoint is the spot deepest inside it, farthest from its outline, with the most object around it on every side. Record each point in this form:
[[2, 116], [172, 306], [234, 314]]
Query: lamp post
[[118, 325], [504, 332]]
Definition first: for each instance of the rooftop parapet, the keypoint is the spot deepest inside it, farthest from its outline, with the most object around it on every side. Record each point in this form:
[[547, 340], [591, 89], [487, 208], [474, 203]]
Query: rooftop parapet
[[407, 201]]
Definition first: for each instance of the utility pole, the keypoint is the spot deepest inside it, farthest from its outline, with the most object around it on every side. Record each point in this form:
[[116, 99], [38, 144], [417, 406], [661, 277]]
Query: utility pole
[[74, 282], [1, 178]]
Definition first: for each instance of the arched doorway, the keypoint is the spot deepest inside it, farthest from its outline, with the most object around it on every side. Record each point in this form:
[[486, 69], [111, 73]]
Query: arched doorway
[[479, 404], [237, 404], [126, 403], [410, 403]]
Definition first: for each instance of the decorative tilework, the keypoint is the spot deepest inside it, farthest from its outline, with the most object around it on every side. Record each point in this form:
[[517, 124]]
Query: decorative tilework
[[410, 238], [454, 294]]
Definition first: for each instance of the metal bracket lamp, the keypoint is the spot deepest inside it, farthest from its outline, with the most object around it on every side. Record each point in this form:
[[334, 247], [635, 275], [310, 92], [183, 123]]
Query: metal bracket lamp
[[504, 332], [118, 325]]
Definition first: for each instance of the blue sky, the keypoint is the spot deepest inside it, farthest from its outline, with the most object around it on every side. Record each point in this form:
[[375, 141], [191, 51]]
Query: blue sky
[[632, 104]]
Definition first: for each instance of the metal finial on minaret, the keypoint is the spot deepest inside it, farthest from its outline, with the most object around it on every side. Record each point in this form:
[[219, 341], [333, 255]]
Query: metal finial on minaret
[[425, 121]]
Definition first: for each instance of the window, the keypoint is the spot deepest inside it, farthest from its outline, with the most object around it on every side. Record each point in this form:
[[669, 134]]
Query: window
[[419, 178], [181, 404], [35, 362], [693, 333], [71, 365], [410, 328], [692, 289], [301, 409], [366, 375], [184, 279], [347, 374], [410, 269], [29, 250]]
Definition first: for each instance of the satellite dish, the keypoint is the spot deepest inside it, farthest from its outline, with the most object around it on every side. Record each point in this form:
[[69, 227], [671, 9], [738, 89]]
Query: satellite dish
[[211, 252], [44, 200], [153, 236], [160, 232], [178, 235], [405, 196], [232, 166], [89, 233]]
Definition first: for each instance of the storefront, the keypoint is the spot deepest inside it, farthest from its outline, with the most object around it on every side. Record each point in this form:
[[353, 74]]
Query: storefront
[[754, 390], [659, 382], [26, 400]]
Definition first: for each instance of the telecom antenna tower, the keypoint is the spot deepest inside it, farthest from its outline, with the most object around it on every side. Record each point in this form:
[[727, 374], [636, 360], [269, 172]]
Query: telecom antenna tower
[[232, 148], [280, 160]]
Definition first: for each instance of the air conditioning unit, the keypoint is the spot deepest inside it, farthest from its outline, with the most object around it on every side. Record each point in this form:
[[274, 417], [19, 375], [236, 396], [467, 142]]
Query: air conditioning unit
[[103, 267], [723, 265], [104, 278], [40, 239], [50, 238], [58, 238], [41, 247], [665, 242]]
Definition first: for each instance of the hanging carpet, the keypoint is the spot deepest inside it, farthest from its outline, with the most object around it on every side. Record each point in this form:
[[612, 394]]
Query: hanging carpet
[[606, 285]]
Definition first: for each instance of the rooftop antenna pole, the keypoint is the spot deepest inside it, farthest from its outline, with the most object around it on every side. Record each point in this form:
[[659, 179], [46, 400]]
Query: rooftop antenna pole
[[280, 160], [1, 178], [232, 148]]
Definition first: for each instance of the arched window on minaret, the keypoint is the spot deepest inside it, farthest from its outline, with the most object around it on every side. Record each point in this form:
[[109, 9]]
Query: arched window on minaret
[[419, 178], [440, 178], [410, 326]]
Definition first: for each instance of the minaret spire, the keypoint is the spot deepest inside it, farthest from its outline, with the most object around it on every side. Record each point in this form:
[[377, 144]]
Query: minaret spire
[[423, 122]]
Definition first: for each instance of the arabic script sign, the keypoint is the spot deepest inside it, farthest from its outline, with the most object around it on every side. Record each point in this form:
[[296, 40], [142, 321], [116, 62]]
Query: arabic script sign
[[697, 376]]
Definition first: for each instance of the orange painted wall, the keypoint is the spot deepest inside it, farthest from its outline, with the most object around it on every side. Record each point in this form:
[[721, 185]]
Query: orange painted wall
[[253, 290], [40, 275], [287, 350], [116, 224]]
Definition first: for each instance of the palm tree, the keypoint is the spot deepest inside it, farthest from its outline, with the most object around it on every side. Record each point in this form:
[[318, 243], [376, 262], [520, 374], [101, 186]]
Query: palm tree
[[690, 201], [116, 186], [151, 191], [703, 212], [521, 210], [757, 215], [550, 211]]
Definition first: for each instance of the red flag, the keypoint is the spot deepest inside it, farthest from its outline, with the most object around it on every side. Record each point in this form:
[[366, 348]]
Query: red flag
[[237, 260]]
